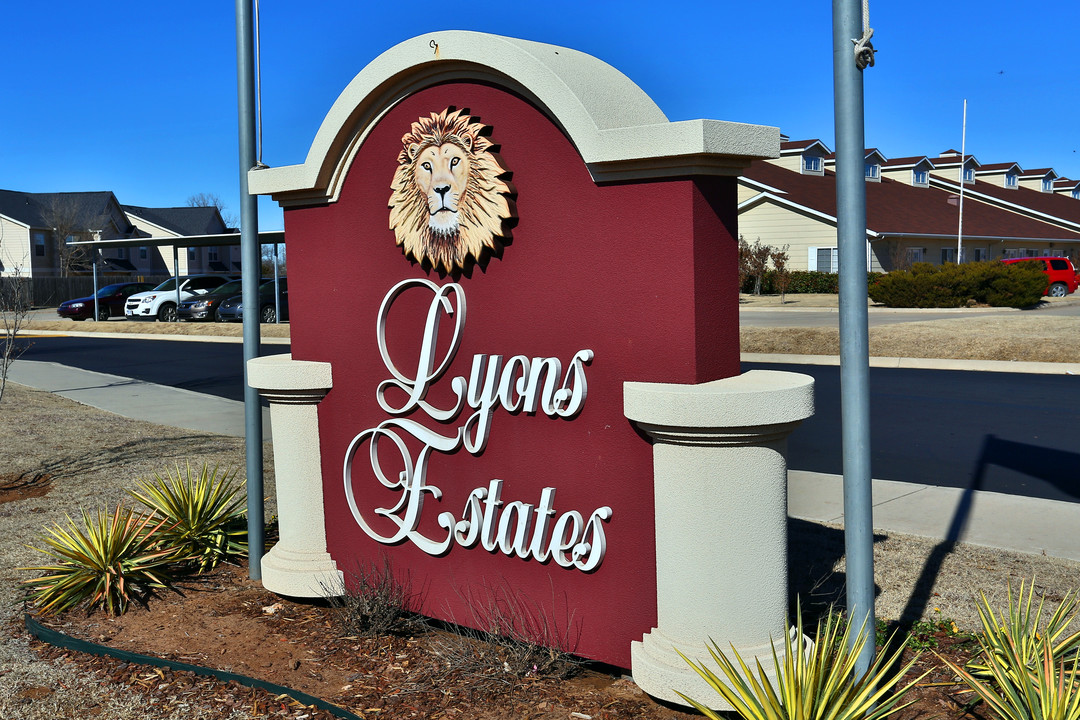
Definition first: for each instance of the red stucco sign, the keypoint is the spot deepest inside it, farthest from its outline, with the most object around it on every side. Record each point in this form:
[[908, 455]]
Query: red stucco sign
[[482, 285]]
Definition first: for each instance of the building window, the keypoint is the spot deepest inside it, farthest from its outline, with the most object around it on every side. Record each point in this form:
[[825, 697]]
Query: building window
[[979, 254], [122, 253], [811, 164], [969, 175], [191, 254], [142, 252], [1011, 181], [827, 260], [1034, 253], [212, 254], [948, 255], [1076, 194], [920, 178], [914, 255], [39, 243], [872, 171], [1047, 185], [1014, 253]]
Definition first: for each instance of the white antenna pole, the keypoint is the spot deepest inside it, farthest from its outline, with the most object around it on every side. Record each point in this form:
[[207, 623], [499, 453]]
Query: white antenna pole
[[960, 226]]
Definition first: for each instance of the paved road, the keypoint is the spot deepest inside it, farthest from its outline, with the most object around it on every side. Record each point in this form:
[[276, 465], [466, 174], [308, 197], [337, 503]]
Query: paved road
[[1002, 432]]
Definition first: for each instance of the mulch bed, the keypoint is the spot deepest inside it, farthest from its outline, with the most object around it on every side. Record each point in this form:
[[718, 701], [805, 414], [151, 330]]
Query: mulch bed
[[226, 621]]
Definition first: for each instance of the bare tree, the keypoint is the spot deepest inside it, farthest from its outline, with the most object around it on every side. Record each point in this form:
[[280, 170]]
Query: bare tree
[[782, 276], [754, 261], [72, 217], [14, 312], [212, 200]]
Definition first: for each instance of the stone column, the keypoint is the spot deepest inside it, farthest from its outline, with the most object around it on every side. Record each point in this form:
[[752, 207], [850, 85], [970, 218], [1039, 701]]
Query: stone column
[[298, 565], [720, 483]]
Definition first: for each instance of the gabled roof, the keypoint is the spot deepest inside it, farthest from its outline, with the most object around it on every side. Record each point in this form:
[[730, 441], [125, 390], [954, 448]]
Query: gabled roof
[[1038, 172], [904, 162], [954, 161], [896, 208], [182, 220], [797, 147], [1052, 204], [32, 209], [998, 167]]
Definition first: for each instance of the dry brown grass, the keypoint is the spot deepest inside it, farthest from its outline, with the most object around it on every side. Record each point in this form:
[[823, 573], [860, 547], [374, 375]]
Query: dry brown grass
[[92, 458], [1016, 337], [155, 328]]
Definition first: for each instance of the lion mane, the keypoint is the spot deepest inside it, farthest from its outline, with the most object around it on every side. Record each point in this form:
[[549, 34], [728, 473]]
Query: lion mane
[[449, 202]]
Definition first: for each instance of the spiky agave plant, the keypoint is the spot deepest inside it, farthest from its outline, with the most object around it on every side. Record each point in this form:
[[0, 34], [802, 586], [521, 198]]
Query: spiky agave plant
[[202, 513], [1019, 629], [106, 562], [1023, 687], [813, 682]]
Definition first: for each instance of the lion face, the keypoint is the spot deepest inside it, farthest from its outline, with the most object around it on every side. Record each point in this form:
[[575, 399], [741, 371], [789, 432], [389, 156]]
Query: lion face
[[442, 174], [449, 201]]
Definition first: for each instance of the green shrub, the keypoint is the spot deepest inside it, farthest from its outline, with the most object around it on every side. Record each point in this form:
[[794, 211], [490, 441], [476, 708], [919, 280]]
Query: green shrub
[[945, 286], [107, 562], [202, 514]]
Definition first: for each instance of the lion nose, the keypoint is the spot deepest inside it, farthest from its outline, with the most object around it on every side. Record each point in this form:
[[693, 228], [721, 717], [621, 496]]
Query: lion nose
[[442, 190]]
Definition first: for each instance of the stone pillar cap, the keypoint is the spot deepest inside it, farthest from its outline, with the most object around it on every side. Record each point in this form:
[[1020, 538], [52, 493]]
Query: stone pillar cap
[[281, 372], [755, 398]]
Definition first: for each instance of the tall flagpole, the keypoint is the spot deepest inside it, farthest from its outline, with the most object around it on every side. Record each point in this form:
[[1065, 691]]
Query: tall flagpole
[[960, 227]]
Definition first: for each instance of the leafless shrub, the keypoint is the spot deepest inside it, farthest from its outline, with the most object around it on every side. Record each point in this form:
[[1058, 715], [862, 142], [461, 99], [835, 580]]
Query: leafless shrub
[[782, 275], [509, 637], [753, 261], [375, 600], [14, 311]]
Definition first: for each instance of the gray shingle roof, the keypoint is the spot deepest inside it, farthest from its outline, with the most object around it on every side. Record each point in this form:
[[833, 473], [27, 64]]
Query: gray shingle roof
[[182, 220]]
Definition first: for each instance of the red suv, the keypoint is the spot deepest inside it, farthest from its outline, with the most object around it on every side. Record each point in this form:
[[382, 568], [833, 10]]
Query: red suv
[[1060, 273]]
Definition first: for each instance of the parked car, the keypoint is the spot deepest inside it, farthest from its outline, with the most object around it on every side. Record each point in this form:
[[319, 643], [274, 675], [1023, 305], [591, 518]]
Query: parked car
[[233, 309], [160, 303], [110, 300], [1061, 279], [203, 307]]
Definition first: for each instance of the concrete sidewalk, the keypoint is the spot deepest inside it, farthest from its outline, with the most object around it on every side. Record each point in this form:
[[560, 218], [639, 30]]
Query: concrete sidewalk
[[989, 519], [137, 399]]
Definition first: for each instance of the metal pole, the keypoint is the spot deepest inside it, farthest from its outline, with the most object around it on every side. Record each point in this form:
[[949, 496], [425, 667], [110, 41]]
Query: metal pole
[[277, 288], [854, 335], [249, 275], [963, 161], [94, 254]]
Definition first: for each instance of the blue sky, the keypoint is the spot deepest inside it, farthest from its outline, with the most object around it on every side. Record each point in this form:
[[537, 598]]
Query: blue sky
[[140, 98]]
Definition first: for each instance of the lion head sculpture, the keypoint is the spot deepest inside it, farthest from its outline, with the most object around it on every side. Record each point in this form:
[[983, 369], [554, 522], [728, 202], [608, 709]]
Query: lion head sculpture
[[448, 201]]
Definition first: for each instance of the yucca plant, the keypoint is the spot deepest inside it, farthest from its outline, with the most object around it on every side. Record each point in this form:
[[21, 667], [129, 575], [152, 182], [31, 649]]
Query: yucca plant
[[202, 513], [106, 562], [1039, 687], [1020, 627], [812, 683]]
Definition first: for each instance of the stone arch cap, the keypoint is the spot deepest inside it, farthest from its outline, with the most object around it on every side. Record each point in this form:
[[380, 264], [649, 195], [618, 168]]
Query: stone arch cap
[[619, 131]]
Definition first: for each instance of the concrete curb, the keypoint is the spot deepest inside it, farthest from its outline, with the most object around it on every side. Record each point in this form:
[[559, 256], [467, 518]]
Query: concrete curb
[[1033, 368], [150, 336]]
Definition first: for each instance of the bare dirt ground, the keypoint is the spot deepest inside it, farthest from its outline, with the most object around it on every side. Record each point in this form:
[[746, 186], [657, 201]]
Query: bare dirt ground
[[58, 457]]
